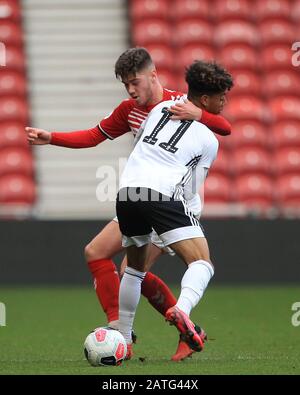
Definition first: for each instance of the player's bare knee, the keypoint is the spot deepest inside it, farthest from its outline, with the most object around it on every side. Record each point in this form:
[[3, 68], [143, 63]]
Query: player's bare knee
[[88, 252], [91, 253]]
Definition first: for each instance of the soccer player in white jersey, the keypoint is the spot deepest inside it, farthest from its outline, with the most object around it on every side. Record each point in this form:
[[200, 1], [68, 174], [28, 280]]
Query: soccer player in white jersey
[[136, 70], [152, 196]]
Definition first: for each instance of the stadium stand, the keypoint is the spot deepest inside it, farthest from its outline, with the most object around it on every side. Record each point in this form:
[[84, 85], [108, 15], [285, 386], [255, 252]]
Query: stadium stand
[[10, 10], [286, 134], [71, 51], [239, 56], [17, 185], [288, 194], [246, 82], [228, 9], [255, 191], [276, 57], [186, 9], [249, 134], [253, 40], [218, 189]]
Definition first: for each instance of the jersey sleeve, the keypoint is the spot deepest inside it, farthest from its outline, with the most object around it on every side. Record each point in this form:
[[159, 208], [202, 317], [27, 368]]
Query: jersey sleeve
[[78, 139], [216, 123], [116, 123], [209, 153]]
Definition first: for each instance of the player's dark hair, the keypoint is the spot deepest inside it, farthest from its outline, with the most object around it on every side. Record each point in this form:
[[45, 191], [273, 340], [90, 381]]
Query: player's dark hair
[[131, 62], [207, 78]]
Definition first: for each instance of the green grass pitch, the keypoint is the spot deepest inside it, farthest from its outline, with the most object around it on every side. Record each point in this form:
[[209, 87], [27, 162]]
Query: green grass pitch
[[250, 328]]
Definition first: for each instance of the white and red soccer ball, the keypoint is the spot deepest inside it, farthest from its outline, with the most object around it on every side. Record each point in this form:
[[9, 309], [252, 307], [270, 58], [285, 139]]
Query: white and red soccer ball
[[105, 347]]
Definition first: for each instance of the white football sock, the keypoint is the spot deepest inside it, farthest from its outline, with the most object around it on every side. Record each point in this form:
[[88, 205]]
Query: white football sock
[[193, 285], [129, 296]]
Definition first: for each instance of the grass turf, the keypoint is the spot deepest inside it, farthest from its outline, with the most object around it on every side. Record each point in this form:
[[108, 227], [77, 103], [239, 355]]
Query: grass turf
[[251, 327]]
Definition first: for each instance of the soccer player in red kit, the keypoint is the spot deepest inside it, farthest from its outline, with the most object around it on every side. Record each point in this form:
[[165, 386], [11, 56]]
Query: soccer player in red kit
[[136, 70]]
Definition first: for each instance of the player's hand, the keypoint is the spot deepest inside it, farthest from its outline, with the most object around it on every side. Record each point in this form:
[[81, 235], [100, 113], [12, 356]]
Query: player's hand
[[38, 136], [186, 111]]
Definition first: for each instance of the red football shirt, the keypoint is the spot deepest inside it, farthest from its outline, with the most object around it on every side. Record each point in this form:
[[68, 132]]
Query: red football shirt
[[128, 116]]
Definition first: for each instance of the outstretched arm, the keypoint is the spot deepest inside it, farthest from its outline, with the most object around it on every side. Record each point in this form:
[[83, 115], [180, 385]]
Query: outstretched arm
[[187, 110], [76, 139]]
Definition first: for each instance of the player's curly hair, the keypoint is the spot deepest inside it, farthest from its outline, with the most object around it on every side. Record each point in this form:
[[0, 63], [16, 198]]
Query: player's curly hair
[[132, 61], [207, 78]]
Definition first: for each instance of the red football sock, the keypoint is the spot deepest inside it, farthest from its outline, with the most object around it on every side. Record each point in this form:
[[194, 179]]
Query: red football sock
[[107, 284], [158, 293]]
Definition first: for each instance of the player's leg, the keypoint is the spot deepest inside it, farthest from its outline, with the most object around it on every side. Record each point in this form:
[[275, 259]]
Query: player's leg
[[195, 253], [154, 288], [99, 253], [160, 296], [130, 291], [136, 238]]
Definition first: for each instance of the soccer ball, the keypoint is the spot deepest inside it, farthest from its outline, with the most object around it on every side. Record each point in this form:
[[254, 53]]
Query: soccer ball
[[105, 347]]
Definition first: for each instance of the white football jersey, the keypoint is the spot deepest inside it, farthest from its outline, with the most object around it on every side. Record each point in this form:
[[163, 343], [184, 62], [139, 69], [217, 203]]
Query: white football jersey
[[170, 155]]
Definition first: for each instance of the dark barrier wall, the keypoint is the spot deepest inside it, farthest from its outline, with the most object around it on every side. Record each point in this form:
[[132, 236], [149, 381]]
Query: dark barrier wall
[[46, 252]]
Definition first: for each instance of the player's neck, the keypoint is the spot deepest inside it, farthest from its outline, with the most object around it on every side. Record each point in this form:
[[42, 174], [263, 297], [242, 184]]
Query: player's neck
[[158, 95]]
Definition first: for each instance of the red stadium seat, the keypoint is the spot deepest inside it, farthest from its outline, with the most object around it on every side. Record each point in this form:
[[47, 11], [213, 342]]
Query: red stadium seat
[[275, 57], [12, 83], [12, 134], [277, 31], [282, 83], [234, 31], [15, 59], [224, 142], [187, 54], [149, 9], [230, 9], [217, 189], [246, 108], [191, 31], [222, 164], [286, 134], [245, 83], [167, 79], [255, 190], [181, 85], [162, 55], [238, 56], [9, 9], [296, 11], [288, 190], [151, 31], [186, 9], [10, 33], [252, 160], [16, 188], [16, 160], [287, 108], [12, 108], [287, 160], [273, 9], [249, 134]]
